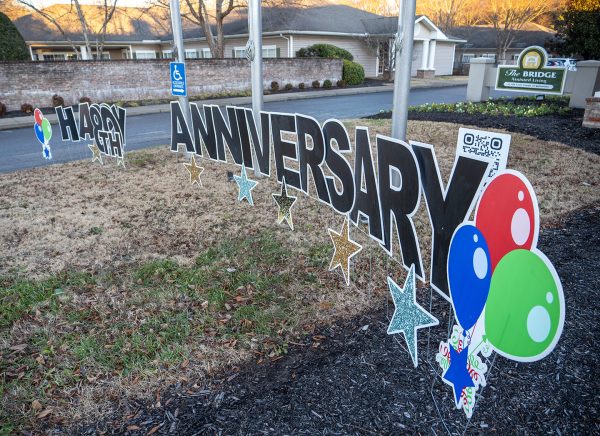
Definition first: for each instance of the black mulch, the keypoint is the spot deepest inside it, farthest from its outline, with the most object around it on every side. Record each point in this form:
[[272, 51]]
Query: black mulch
[[561, 128], [361, 381]]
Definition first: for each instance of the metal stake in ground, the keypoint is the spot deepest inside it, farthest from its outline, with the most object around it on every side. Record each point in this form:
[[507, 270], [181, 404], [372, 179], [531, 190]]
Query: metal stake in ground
[[254, 55], [178, 51], [403, 48]]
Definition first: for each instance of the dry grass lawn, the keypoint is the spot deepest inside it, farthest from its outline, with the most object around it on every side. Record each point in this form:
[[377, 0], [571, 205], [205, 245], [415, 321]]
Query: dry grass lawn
[[115, 284]]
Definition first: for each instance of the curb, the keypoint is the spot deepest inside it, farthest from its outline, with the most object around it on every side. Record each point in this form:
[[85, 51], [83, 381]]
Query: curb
[[27, 121]]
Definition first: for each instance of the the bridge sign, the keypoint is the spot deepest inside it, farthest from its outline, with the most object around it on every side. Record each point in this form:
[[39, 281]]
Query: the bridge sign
[[531, 74]]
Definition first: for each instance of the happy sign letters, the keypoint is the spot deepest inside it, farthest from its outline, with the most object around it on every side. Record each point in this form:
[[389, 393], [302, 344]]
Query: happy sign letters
[[103, 124]]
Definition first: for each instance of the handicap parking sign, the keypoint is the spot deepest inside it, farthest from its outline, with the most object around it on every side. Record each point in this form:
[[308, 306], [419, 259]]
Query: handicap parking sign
[[178, 85]]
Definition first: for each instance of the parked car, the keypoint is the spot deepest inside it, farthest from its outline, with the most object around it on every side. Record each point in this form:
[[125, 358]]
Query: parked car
[[568, 63]]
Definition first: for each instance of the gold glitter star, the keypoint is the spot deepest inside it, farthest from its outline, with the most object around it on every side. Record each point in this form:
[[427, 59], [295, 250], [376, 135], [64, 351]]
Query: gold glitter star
[[344, 249], [284, 203], [194, 171], [96, 156]]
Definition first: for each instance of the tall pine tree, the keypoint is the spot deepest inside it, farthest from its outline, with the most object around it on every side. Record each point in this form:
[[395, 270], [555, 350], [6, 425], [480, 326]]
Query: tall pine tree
[[12, 44]]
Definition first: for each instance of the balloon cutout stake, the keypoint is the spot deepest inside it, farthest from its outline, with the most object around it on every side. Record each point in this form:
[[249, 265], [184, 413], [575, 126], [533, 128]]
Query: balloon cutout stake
[[505, 292], [43, 132], [507, 215], [469, 274], [525, 309]]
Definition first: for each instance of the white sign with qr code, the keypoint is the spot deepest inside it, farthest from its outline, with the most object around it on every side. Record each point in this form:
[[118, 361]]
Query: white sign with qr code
[[491, 145]]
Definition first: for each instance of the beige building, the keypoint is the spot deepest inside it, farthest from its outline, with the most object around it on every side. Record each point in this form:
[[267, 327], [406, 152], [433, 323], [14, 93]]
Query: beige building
[[285, 31]]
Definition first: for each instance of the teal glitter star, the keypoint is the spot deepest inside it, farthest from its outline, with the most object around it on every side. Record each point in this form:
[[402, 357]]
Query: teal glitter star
[[246, 185], [409, 316]]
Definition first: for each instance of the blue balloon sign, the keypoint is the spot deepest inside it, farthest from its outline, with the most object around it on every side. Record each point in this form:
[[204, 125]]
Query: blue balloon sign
[[469, 274], [39, 133]]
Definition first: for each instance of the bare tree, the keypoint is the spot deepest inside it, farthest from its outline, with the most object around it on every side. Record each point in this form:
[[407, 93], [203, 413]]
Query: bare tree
[[509, 16], [57, 15], [448, 14], [381, 7], [211, 16]]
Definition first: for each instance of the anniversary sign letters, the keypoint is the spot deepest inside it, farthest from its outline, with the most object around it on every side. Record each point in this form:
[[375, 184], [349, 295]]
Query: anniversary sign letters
[[353, 189]]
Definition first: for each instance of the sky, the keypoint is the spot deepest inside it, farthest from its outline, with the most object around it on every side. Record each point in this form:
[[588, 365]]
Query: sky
[[45, 3]]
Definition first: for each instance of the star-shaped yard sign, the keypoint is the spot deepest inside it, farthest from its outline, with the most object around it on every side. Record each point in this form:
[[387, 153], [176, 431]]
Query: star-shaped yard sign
[[46, 151], [344, 249], [457, 375], [408, 316], [194, 171], [96, 156], [246, 186], [284, 203]]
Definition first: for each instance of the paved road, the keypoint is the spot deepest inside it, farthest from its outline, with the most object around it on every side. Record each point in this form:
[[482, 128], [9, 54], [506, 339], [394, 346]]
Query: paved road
[[19, 149]]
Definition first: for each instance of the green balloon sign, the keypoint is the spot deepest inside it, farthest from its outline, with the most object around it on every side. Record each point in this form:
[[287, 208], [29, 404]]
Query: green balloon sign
[[47, 130], [525, 309]]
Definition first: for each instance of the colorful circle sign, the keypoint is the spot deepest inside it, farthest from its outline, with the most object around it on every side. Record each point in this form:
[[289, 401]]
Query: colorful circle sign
[[525, 309], [39, 134], [507, 215], [38, 117], [47, 130], [469, 274]]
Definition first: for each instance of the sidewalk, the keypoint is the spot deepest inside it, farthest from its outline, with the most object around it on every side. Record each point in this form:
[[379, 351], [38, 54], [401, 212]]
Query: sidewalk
[[27, 121]]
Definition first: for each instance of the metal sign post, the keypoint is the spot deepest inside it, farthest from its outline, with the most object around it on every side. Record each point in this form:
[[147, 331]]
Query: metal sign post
[[403, 49], [180, 53], [254, 55]]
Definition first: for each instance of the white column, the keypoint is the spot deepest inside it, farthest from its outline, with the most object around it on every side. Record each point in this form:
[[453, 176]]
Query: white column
[[84, 53], [431, 61], [31, 53], [425, 54]]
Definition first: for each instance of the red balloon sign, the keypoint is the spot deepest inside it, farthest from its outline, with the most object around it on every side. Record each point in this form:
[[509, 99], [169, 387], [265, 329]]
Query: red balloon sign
[[38, 117], [507, 215]]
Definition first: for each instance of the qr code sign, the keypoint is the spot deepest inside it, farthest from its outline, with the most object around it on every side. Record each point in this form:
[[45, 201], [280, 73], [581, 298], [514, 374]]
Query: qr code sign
[[490, 145]]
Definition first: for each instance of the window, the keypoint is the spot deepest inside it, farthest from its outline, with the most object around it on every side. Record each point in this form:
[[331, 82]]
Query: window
[[105, 56], [269, 51], [191, 54], [489, 55], [239, 52], [54, 57], [206, 54], [466, 57], [167, 54], [145, 54]]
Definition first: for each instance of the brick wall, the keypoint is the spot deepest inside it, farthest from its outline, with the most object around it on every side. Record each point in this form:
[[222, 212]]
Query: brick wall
[[591, 117], [36, 82]]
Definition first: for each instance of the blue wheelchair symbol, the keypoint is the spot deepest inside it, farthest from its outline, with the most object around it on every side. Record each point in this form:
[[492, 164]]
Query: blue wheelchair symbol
[[178, 82]]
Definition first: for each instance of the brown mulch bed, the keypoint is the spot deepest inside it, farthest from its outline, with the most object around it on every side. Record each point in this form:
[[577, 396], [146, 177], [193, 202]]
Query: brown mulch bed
[[352, 378]]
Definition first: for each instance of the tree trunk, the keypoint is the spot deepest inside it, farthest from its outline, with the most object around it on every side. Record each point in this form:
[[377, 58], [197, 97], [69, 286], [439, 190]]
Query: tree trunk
[[84, 28]]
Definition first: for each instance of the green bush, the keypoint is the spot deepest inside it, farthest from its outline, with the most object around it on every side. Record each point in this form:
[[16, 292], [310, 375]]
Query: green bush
[[316, 84], [2, 109], [341, 84], [301, 85], [521, 107], [274, 86], [289, 86], [353, 73], [324, 51], [12, 44], [327, 84]]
